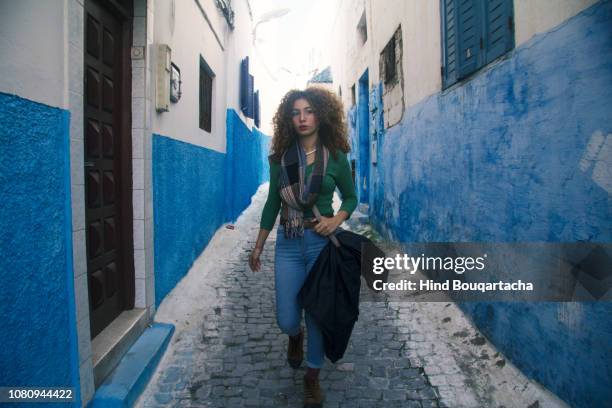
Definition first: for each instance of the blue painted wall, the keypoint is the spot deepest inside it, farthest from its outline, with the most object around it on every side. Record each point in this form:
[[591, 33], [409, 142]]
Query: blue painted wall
[[353, 137], [362, 176], [497, 158], [263, 167], [38, 336], [188, 207], [247, 165], [196, 190], [368, 116], [377, 126]]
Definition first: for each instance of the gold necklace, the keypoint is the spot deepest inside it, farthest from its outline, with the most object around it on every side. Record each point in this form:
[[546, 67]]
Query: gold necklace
[[311, 152]]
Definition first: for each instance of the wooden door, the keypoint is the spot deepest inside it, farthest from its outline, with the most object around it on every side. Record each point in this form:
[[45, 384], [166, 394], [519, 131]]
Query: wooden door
[[107, 143]]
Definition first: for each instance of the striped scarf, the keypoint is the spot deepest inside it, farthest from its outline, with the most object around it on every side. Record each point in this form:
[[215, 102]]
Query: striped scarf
[[297, 194]]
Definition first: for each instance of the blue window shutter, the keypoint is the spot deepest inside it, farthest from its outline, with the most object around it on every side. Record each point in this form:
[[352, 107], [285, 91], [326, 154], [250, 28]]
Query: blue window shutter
[[469, 37], [499, 28], [249, 113], [449, 39], [256, 103], [244, 85]]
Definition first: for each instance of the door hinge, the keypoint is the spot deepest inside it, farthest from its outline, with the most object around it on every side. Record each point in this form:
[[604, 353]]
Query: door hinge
[[510, 22], [481, 43], [442, 71]]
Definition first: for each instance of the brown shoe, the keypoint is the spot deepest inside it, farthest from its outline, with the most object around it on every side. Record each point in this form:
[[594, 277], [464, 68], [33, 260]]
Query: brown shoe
[[295, 351], [313, 395]]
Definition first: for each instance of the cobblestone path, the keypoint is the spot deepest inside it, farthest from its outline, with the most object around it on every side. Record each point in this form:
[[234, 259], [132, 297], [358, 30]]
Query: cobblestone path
[[227, 350]]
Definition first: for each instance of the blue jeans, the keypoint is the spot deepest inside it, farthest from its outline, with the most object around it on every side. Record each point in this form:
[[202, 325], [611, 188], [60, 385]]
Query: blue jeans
[[292, 261]]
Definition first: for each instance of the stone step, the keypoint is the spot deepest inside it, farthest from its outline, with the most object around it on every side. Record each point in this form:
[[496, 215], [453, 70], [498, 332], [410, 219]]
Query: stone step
[[128, 380]]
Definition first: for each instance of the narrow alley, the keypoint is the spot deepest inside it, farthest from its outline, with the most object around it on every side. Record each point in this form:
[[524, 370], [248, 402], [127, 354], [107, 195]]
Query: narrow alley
[[228, 351], [149, 147]]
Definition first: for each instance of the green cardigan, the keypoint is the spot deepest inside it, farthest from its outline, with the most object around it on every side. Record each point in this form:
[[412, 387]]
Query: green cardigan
[[338, 174]]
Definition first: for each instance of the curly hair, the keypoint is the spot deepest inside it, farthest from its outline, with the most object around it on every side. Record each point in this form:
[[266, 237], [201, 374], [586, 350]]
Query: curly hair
[[329, 111]]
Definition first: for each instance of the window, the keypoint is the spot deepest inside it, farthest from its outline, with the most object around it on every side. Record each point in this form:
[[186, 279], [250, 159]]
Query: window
[[392, 76], [251, 95], [388, 61], [206, 80], [256, 108], [362, 29], [247, 95], [474, 33]]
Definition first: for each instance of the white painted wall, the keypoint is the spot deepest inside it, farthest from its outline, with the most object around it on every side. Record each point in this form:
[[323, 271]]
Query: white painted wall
[[420, 21], [182, 26], [536, 16], [41, 49], [349, 59], [32, 50], [239, 44]]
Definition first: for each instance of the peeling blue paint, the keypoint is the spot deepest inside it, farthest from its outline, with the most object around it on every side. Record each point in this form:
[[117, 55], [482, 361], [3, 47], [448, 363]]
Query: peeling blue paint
[[36, 247], [377, 127], [464, 153], [501, 158]]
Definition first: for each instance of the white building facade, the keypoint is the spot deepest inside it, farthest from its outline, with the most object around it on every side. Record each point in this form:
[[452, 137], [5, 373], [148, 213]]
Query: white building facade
[[489, 121], [131, 129]]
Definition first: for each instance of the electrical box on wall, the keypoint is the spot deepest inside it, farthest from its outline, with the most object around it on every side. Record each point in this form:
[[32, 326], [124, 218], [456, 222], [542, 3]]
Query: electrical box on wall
[[162, 77]]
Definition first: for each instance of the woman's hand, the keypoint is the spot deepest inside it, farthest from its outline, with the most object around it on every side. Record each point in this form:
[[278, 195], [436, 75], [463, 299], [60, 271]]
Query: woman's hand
[[328, 225], [254, 262]]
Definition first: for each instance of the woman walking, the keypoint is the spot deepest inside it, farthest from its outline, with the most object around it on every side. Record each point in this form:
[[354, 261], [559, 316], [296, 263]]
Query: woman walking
[[308, 161]]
